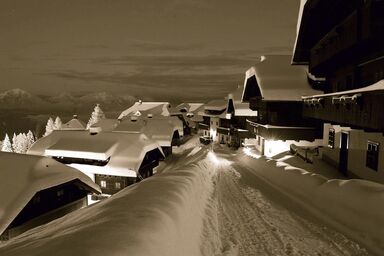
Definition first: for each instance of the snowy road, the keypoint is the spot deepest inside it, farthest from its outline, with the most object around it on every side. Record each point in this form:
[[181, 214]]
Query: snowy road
[[199, 203], [247, 217]]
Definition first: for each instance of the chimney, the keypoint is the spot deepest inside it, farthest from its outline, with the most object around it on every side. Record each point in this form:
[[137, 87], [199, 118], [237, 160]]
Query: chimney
[[74, 116]]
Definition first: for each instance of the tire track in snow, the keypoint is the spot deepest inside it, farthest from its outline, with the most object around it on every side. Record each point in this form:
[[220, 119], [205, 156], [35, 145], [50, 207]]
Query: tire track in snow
[[240, 220]]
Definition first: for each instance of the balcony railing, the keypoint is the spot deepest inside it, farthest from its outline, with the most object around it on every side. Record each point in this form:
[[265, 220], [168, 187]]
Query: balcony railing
[[339, 39], [360, 110]]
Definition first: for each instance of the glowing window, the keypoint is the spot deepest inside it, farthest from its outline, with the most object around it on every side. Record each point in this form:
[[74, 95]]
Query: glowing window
[[103, 184], [331, 138], [117, 185]]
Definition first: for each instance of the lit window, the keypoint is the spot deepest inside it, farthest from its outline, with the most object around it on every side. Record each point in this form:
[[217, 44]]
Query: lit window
[[372, 158], [331, 138], [103, 184], [117, 185]]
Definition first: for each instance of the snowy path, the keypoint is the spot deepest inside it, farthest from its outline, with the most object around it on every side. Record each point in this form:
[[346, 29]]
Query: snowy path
[[198, 203], [242, 220]]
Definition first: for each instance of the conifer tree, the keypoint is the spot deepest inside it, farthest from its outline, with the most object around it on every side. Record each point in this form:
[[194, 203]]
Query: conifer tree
[[96, 115], [22, 143], [7, 145], [49, 127], [14, 142], [30, 139], [58, 123]]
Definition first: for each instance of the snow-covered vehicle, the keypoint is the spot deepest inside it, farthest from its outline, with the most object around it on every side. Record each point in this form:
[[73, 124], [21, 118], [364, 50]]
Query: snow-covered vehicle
[[206, 140]]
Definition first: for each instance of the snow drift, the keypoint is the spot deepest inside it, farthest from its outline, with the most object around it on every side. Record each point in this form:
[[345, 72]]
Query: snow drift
[[161, 215], [354, 206]]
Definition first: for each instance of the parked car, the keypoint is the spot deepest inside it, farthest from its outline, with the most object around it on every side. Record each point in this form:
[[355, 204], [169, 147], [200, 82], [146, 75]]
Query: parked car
[[206, 140]]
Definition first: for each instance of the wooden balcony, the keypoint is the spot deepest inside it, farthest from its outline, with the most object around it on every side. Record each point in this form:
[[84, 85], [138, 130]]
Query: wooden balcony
[[274, 132], [203, 126], [335, 43], [356, 109]]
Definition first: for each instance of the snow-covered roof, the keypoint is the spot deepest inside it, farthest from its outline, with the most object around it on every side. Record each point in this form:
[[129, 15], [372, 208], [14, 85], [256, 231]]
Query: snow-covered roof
[[299, 19], [125, 151], [74, 124], [190, 107], [22, 176], [378, 86], [278, 80], [158, 128], [104, 124], [218, 106], [145, 108], [240, 108]]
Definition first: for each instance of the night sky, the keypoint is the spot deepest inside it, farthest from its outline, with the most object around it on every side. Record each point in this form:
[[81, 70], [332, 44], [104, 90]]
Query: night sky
[[153, 49]]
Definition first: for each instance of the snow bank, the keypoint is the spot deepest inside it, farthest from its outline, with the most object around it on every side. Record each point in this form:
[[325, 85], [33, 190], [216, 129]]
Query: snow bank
[[354, 206], [161, 215]]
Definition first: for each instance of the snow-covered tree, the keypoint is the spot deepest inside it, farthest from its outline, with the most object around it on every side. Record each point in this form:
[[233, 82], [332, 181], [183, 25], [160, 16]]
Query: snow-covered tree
[[49, 127], [14, 142], [30, 139], [58, 123], [96, 115], [7, 145], [21, 144]]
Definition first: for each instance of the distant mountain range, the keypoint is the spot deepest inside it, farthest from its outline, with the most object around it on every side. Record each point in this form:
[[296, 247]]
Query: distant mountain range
[[21, 111], [18, 99]]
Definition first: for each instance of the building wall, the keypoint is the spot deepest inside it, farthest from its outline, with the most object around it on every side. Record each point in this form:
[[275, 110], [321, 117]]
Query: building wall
[[357, 151], [214, 123]]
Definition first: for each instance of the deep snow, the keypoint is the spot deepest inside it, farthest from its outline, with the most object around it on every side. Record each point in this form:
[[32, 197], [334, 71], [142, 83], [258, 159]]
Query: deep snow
[[217, 203]]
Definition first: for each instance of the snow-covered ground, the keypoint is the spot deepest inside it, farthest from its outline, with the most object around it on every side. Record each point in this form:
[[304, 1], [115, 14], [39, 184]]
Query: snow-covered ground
[[220, 202]]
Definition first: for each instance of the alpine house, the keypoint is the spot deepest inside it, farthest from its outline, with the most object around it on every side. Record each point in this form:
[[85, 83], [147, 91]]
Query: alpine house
[[113, 160], [35, 190], [164, 130], [342, 42], [274, 88]]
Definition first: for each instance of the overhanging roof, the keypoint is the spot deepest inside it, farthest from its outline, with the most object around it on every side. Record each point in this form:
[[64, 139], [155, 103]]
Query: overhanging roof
[[125, 150], [22, 176], [278, 80]]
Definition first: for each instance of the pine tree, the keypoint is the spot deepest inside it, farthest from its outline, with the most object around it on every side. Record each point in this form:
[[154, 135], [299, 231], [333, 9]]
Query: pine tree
[[49, 127], [96, 115], [30, 139], [14, 142], [58, 123], [22, 143], [7, 145]]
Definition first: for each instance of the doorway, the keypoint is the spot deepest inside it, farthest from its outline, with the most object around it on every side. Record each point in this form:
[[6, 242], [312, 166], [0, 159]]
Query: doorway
[[343, 158]]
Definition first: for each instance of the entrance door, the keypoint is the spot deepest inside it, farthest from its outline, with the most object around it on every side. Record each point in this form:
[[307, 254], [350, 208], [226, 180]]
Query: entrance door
[[343, 159]]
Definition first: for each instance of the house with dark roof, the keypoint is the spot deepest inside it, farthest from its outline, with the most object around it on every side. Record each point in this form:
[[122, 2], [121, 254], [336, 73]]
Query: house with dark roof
[[35, 190]]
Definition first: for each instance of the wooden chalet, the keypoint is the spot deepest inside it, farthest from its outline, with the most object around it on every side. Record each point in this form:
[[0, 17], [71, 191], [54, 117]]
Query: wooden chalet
[[342, 42], [274, 89], [35, 190], [215, 118], [113, 160]]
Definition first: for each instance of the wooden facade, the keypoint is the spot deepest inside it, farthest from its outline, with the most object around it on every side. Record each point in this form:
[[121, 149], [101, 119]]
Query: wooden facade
[[353, 37], [47, 205], [357, 110], [343, 41], [282, 120]]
